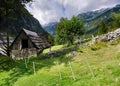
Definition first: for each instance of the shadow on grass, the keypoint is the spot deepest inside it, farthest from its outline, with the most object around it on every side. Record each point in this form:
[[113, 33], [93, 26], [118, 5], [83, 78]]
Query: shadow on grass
[[50, 61], [5, 63], [18, 68]]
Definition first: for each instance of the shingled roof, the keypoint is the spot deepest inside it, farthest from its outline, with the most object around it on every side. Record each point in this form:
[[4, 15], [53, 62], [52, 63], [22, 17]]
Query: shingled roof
[[38, 39]]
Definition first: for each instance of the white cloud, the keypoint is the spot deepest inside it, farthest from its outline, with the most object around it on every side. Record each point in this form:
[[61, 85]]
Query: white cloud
[[47, 11]]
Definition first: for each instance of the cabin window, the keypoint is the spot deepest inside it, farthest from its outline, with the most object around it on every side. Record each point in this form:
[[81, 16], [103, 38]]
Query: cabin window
[[24, 43]]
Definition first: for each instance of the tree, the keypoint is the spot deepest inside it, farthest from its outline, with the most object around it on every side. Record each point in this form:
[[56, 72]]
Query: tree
[[109, 24], [66, 30], [60, 27], [102, 28], [116, 20]]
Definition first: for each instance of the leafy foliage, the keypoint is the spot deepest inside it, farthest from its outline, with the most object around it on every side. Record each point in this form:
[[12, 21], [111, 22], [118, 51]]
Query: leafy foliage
[[66, 30], [109, 24], [102, 27], [50, 39], [116, 22]]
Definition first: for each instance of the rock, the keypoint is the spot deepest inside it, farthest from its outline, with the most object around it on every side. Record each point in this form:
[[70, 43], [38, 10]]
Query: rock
[[110, 36], [72, 54]]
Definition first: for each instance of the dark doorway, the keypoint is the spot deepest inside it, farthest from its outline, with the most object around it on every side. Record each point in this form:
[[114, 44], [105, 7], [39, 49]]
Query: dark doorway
[[24, 43]]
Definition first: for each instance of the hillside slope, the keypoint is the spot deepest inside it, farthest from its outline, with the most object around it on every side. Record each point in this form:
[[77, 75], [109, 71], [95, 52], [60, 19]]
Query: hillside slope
[[97, 65], [93, 18]]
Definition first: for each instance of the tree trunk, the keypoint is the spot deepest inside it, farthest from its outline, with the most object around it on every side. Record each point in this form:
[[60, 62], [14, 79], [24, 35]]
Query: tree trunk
[[8, 44], [7, 27]]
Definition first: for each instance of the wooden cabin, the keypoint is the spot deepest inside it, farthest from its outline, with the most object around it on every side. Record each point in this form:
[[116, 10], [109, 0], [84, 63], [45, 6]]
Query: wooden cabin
[[28, 43]]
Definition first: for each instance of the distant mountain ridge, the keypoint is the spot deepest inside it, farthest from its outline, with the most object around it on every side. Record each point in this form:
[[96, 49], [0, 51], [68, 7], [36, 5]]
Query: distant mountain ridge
[[90, 15], [50, 28], [91, 19]]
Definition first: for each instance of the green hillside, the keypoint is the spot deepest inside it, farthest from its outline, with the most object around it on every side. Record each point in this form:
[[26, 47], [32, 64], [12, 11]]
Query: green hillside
[[97, 65], [92, 18]]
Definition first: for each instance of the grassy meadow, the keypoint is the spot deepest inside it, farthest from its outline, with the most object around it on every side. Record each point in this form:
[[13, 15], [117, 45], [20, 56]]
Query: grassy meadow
[[97, 65]]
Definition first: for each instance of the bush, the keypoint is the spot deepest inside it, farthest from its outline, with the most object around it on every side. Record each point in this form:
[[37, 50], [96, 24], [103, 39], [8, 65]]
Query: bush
[[94, 48], [86, 40]]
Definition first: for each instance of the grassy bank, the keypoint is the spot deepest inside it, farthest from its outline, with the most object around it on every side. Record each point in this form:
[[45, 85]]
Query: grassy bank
[[97, 65]]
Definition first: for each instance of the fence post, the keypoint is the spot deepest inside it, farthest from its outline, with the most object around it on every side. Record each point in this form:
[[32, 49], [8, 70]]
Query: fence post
[[90, 68], [34, 68], [72, 71], [59, 70], [28, 60], [26, 63]]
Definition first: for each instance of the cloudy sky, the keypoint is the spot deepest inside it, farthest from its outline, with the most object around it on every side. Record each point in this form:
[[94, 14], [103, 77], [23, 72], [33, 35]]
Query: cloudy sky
[[47, 11]]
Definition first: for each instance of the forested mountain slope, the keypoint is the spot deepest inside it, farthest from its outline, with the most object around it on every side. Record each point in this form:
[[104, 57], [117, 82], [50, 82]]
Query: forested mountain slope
[[17, 18]]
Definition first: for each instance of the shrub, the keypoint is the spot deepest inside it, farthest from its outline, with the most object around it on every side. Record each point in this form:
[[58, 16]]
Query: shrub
[[94, 48]]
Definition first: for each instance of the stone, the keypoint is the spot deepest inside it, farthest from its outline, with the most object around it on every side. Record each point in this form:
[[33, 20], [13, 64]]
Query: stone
[[110, 36]]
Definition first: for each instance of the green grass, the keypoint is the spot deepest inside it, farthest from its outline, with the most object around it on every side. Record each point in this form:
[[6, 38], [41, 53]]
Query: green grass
[[104, 62], [53, 48]]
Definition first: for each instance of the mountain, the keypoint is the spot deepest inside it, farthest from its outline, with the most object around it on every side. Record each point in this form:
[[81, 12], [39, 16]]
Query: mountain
[[92, 18], [50, 28], [18, 19]]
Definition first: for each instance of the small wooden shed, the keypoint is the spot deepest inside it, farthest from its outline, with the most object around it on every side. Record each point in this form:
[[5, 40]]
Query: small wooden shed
[[28, 43]]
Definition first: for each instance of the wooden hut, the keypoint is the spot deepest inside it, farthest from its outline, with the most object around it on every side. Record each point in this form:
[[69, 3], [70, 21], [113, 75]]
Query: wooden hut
[[28, 43]]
